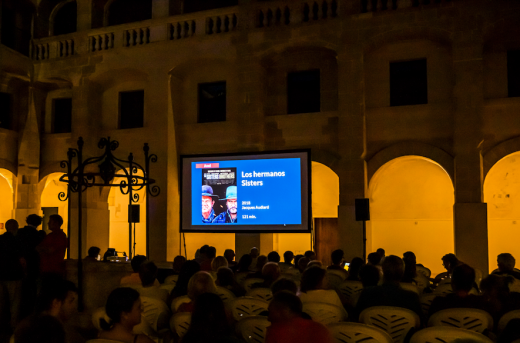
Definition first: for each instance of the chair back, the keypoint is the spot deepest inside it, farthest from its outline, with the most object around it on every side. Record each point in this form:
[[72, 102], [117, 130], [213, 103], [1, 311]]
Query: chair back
[[168, 287], [324, 313], [102, 340], [357, 332], [240, 277], [478, 276], [180, 323], [409, 287], [426, 301], [171, 279], [253, 329], [395, 321], [443, 288], [155, 312], [515, 286], [447, 334], [225, 294], [422, 282], [178, 301], [335, 279], [245, 307], [97, 315], [506, 318], [423, 270], [464, 318], [248, 283], [348, 288], [261, 293]]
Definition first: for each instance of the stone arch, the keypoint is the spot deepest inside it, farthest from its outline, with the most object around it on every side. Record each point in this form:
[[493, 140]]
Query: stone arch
[[401, 149], [133, 10], [57, 18], [7, 185], [498, 152], [327, 158], [9, 165], [49, 187]]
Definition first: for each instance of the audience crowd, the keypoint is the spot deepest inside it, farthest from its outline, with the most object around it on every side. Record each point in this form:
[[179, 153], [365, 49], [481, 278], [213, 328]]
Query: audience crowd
[[38, 302]]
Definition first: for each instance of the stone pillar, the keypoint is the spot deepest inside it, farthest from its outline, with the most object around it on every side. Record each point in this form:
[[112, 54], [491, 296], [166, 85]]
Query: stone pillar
[[352, 169], [84, 15], [244, 242], [470, 217]]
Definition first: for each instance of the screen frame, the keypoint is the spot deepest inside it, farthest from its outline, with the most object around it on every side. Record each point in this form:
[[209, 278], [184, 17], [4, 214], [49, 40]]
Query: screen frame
[[261, 227]]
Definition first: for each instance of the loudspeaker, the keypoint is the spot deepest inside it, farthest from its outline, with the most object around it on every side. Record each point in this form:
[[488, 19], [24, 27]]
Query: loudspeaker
[[133, 213], [362, 209]]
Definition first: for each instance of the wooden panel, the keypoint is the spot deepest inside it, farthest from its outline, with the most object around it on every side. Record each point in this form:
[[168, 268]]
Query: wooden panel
[[327, 238]]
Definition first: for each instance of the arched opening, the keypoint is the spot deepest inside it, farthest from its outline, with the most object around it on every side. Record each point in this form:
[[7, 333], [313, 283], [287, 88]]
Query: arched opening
[[65, 19], [502, 195], [118, 232], [128, 11], [50, 204], [411, 209], [6, 201]]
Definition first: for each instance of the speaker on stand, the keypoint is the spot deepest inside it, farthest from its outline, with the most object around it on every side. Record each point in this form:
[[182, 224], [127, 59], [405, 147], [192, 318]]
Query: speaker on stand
[[363, 214], [134, 217]]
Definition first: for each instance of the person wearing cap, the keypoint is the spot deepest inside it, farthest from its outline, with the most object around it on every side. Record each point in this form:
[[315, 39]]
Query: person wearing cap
[[230, 215], [208, 200]]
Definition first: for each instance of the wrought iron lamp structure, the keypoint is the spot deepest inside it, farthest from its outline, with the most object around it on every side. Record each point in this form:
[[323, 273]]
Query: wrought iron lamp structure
[[107, 175]]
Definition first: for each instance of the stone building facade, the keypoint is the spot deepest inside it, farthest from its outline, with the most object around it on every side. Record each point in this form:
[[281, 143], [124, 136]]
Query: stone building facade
[[468, 123]]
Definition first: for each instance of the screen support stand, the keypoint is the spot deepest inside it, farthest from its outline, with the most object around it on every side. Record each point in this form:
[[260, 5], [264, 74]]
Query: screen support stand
[[365, 241]]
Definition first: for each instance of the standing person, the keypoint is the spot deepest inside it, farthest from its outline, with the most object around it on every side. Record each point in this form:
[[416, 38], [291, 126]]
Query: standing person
[[230, 215], [208, 200], [52, 249]]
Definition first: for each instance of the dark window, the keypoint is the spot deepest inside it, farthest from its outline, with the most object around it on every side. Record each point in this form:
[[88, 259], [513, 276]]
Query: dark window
[[212, 102], [6, 108], [202, 5], [131, 109], [65, 20], [513, 73], [408, 83], [303, 92], [61, 115], [129, 11], [16, 27]]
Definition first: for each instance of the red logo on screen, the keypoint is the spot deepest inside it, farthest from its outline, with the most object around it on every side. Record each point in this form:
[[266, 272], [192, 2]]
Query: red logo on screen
[[206, 165]]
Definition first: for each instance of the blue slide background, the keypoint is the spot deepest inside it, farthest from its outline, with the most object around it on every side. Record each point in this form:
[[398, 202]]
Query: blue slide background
[[282, 194]]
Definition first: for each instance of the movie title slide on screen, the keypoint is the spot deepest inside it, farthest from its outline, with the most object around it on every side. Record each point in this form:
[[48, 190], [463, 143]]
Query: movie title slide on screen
[[248, 192]]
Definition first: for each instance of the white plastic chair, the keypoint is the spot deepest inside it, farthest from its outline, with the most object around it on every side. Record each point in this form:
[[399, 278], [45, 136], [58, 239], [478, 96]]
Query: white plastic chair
[[515, 286], [324, 313], [245, 307], [261, 293], [409, 287], [357, 332], [443, 288], [506, 318], [478, 276], [334, 279], [102, 340], [423, 270], [248, 283], [253, 329], [422, 282], [447, 334], [178, 301], [241, 277], [225, 294], [348, 288], [97, 315], [171, 279], [395, 321], [154, 319], [180, 323], [426, 301], [168, 287], [464, 318]]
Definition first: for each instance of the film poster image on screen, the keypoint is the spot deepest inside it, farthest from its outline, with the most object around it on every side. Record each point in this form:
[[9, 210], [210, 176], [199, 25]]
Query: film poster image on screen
[[219, 195]]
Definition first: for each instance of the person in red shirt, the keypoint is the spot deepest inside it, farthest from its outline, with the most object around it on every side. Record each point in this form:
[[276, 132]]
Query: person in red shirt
[[287, 324], [52, 248]]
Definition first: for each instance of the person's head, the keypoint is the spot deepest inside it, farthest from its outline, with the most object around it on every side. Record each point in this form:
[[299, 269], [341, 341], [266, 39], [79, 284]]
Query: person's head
[[409, 257], [315, 263], [337, 257], [288, 256], [271, 271], [225, 277], [302, 263], [148, 273], [123, 307], [297, 259], [374, 258], [311, 255], [463, 278], [254, 252], [261, 261], [284, 284], [57, 298], [208, 319], [244, 263], [208, 200], [93, 252], [211, 252], [369, 275], [273, 256], [410, 266], [284, 306], [505, 262], [34, 220], [381, 252], [55, 222], [450, 261], [229, 254], [189, 268], [204, 251], [178, 262], [231, 199], [42, 329], [393, 268], [219, 261], [137, 261], [201, 282], [354, 267], [496, 287], [313, 278], [11, 226]]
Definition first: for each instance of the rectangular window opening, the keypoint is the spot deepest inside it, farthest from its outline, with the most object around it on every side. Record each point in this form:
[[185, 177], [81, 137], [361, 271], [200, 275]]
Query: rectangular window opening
[[303, 92], [513, 73], [212, 102], [6, 109], [408, 83], [131, 109], [61, 115]]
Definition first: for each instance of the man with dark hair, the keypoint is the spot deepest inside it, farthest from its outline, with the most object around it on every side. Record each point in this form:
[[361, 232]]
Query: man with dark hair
[[207, 255], [288, 256], [134, 279], [229, 254], [57, 298], [52, 249], [93, 254], [29, 237], [148, 275], [374, 259], [506, 266], [311, 255], [449, 261], [287, 324], [390, 293], [273, 256], [338, 263]]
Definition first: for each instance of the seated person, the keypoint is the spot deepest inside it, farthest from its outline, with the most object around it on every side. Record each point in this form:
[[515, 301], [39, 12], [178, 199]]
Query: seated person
[[133, 279], [189, 268], [273, 256], [244, 264], [506, 266], [302, 264], [311, 255], [338, 263], [449, 261], [40, 328], [410, 267], [369, 275], [390, 293], [284, 284], [270, 273], [124, 310], [226, 279], [219, 261], [207, 256], [260, 262], [200, 283], [148, 275], [288, 257], [93, 254], [497, 297], [178, 262], [354, 267], [461, 283], [229, 254], [287, 324]]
